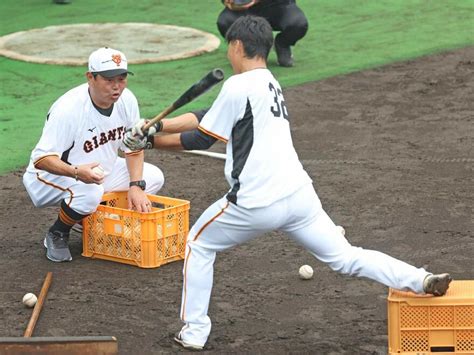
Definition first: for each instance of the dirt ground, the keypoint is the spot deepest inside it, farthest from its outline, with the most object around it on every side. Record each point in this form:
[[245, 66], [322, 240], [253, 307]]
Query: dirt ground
[[391, 154]]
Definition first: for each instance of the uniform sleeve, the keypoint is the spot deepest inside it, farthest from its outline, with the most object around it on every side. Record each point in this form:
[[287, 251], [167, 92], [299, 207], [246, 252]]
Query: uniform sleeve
[[226, 110], [57, 136], [132, 115]]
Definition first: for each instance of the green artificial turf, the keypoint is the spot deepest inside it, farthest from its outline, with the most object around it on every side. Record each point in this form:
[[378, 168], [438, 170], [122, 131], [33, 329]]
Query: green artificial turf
[[343, 36]]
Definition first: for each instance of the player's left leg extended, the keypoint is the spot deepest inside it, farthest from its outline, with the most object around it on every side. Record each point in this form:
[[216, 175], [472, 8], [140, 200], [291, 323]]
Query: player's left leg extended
[[319, 235]]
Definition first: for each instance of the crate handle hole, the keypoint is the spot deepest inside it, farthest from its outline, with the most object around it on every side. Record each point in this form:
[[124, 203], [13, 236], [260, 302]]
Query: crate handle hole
[[158, 205], [442, 349]]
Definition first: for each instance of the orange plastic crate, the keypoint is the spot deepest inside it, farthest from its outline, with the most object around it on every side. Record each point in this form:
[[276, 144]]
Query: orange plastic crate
[[422, 324], [146, 240]]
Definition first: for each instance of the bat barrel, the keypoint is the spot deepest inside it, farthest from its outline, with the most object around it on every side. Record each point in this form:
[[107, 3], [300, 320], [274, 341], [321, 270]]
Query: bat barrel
[[212, 78]]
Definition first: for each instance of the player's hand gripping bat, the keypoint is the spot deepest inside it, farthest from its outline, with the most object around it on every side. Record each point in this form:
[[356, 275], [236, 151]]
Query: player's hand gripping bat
[[199, 88]]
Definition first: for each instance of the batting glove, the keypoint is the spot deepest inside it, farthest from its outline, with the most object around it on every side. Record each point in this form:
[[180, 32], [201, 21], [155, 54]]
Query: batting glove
[[134, 142], [137, 130]]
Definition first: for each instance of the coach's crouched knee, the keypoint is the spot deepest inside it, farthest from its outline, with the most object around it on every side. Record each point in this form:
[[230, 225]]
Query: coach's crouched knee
[[86, 200], [154, 178]]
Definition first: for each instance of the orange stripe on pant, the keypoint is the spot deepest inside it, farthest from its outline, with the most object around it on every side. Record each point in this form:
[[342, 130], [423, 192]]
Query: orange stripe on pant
[[65, 218], [189, 254], [57, 187]]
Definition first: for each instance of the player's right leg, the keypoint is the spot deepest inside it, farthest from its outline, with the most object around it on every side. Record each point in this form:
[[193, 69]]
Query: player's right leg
[[220, 227]]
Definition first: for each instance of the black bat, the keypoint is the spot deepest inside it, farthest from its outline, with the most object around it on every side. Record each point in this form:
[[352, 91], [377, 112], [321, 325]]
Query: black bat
[[199, 88]]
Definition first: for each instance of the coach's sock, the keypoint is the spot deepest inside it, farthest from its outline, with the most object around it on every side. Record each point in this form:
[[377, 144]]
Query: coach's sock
[[67, 218]]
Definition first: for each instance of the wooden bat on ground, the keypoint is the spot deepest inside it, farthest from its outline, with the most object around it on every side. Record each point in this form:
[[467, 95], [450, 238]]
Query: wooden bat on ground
[[199, 88], [38, 305]]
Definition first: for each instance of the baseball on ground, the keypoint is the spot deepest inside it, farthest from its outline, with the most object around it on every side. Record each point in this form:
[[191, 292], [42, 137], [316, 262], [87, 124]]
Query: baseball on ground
[[29, 300], [306, 272], [98, 170], [341, 230]]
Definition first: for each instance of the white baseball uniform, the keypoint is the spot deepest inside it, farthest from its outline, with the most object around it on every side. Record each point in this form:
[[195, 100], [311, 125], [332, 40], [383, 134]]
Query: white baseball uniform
[[269, 190], [78, 133]]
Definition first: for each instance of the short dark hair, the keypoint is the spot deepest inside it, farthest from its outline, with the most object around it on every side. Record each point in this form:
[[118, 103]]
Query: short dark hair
[[255, 33]]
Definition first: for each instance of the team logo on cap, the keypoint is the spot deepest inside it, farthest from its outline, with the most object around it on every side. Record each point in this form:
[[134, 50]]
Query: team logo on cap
[[117, 59]]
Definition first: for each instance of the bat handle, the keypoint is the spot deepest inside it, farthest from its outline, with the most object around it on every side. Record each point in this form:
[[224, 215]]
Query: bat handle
[[157, 118]]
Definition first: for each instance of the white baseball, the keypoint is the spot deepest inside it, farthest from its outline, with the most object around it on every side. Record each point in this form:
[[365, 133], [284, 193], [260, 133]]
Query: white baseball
[[341, 230], [29, 300], [98, 170], [306, 272]]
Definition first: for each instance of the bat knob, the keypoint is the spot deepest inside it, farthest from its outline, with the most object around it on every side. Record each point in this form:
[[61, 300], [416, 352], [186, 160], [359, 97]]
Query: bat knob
[[218, 74]]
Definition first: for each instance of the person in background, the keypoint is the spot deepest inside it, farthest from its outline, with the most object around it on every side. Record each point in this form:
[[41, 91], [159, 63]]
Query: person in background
[[283, 15]]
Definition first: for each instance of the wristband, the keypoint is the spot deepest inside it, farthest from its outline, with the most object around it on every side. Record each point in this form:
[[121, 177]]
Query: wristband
[[158, 126], [75, 173], [150, 142]]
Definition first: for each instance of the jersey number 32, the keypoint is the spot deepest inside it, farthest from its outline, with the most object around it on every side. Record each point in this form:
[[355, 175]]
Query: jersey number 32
[[279, 108]]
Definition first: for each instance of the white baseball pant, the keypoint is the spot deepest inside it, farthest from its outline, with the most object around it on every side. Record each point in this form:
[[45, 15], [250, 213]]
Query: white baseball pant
[[301, 216], [47, 189]]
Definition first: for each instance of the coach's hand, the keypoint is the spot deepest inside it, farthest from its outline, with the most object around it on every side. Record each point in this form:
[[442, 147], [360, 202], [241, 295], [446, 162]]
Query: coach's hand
[[86, 174], [138, 200]]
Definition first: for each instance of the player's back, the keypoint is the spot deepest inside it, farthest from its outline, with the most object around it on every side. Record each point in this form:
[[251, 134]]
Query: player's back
[[264, 165]]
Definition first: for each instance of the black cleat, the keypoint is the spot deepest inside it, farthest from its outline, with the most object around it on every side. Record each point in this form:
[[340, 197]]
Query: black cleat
[[436, 284]]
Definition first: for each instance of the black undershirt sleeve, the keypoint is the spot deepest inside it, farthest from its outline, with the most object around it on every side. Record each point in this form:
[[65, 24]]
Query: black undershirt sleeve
[[196, 140], [200, 113]]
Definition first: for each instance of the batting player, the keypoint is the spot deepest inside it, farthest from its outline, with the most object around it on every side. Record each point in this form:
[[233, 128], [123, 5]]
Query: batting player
[[269, 189], [84, 129]]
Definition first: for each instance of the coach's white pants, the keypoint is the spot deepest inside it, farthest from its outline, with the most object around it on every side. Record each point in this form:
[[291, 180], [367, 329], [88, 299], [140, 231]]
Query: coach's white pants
[[301, 215], [47, 189]]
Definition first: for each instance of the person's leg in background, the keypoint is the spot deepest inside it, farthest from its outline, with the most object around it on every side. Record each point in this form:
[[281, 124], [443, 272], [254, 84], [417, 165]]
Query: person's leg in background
[[226, 18], [292, 25]]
